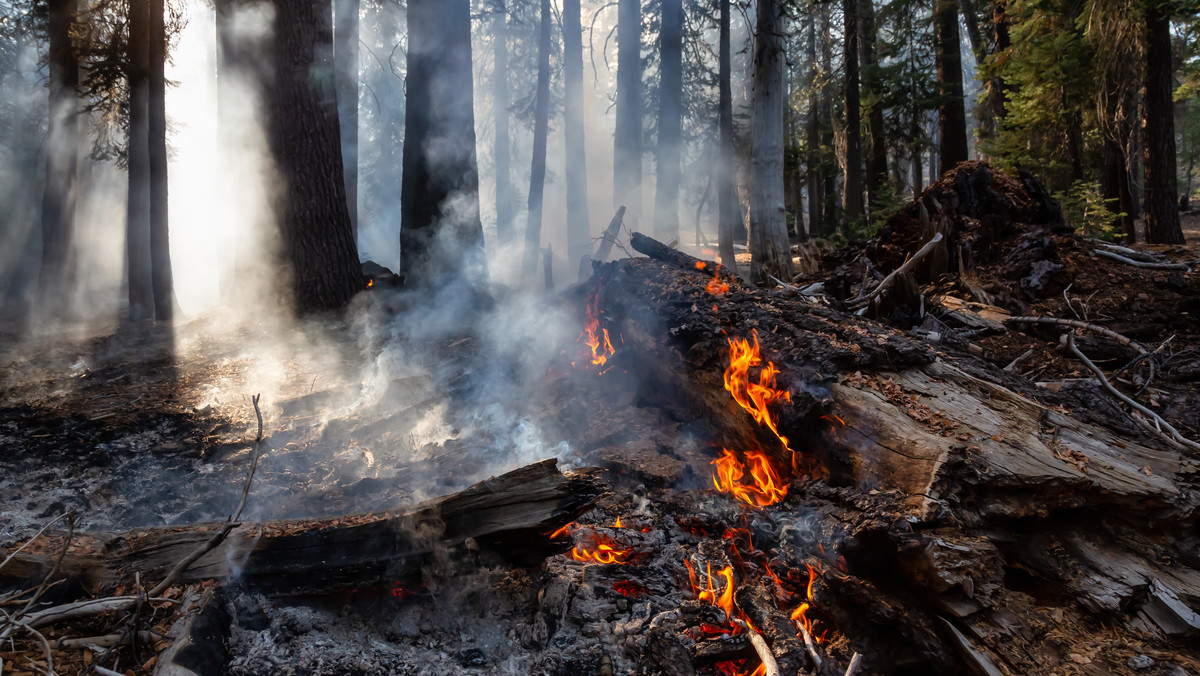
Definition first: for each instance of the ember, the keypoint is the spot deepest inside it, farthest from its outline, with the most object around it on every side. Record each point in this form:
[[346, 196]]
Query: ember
[[632, 590], [767, 488]]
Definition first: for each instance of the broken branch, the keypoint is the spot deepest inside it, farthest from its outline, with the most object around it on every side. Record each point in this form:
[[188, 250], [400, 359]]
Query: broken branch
[[770, 666], [908, 264], [1142, 264], [1074, 323]]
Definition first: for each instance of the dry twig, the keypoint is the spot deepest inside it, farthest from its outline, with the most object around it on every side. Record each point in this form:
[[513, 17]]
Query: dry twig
[[811, 645], [855, 663], [908, 264], [770, 666], [1074, 323]]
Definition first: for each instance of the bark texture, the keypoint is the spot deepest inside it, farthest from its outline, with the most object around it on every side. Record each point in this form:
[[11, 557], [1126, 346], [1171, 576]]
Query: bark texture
[[670, 111], [440, 233], [302, 131], [852, 188], [139, 273], [952, 116], [727, 207], [1162, 194], [345, 55], [627, 143], [770, 252], [579, 227], [162, 277], [62, 140]]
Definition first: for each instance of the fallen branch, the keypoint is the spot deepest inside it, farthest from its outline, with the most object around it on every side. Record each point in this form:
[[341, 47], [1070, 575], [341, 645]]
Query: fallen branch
[[1171, 435], [610, 235], [855, 663], [41, 639], [80, 609], [1074, 323], [1020, 358], [31, 540], [102, 642], [908, 264], [1141, 264], [770, 666]]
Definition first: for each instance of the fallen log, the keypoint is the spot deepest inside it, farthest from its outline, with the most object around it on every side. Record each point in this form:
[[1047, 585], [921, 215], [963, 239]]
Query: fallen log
[[510, 514]]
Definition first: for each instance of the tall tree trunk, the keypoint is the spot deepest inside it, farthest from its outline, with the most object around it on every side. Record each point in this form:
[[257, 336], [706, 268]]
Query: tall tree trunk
[[997, 88], [627, 151], [852, 188], [440, 233], [770, 252], [985, 113], [830, 212], [579, 227], [504, 196], [877, 166], [541, 129], [815, 198], [952, 115], [137, 209], [670, 104], [162, 277], [62, 147], [1162, 205], [302, 132], [345, 57], [727, 206], [1116, 186]]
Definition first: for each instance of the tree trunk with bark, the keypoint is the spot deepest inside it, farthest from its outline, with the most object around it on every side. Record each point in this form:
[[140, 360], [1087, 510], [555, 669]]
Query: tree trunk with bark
[[770, 252], [139, 271], [877, 165], [815, 196], [627, 150], [441, 237], [504, 195], [62, 147], [952, 115], [579, 226], [1116, 187], [541, 129], [727, 207], [162, 277], [317, 241], [852, 189], [345, 63], [670, 112], [1162, 197]]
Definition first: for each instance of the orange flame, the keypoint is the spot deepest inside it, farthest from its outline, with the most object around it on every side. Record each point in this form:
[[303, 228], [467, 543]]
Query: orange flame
[[604, 552], [754, 397], [562, 531], [617, 523], [700, 265], [715, 286], [370, 282], [799, 615], [595, 337], [767, 488]]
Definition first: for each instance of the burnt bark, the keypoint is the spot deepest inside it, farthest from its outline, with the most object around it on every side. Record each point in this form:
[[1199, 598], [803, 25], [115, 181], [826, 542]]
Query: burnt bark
[[316, 238], [162, 277], [670, 111], [852, 188], [62, 147], [1162, 197], [541, 130], [627, 138], [441, 237], [579, 226], [727, 206], [952, 116], [139, 272], [345, 63]]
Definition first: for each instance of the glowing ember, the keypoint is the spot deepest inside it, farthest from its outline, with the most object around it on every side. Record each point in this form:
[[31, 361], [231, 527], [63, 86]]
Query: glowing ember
[[752, 396], [700, 265], [632, 590], [370, 283], [595, 337], [562, 532], [715, 285], [764, 488], [603, 552]]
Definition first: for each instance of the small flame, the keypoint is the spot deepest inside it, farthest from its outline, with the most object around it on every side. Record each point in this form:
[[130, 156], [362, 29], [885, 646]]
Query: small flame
[[700, 265], [617, 523], [767, 488], [370, 282], [595, 337], [752, 396], [715, 285], [562, 532], [799, 615], [604, 552]]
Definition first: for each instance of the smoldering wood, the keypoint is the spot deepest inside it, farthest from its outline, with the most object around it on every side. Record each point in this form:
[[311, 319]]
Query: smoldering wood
[[511, 513]]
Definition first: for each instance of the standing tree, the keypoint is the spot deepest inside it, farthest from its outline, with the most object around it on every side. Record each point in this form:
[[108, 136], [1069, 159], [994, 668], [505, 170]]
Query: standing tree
[[441, 236], [504, 196], [162, 278], [627, 142], [58, 197], [770, 252], [727, 206], [852, 188], [1161, 200], [877, 165], [811, 160], [952, 115], [670, 113], [302, 132], [541, 130], [579, 229], [137, 207], [345, 57]]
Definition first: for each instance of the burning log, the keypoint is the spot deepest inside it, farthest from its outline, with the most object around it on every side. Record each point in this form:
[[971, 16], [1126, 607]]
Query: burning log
[[510, 514]]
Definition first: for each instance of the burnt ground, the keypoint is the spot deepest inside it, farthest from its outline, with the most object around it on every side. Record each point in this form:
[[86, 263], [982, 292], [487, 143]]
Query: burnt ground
[[366, 412]]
